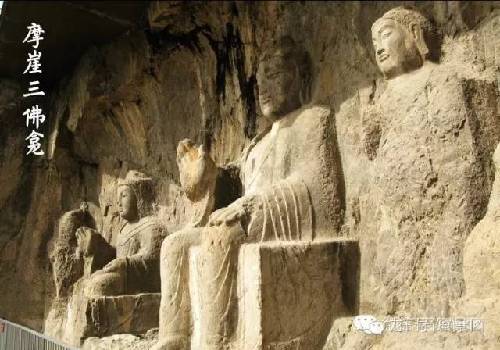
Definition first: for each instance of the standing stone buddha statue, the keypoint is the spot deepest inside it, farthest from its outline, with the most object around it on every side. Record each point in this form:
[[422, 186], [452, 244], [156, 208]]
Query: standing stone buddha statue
[[430, 179]]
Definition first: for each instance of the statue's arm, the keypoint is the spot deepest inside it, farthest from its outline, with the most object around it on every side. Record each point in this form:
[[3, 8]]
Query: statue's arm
[[320, 170], [151, 240], [282, 211], [313, 188], [92, 243], [371, 131]]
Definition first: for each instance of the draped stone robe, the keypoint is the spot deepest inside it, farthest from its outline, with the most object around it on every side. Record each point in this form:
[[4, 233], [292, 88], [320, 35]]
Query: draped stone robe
[[294, 169], [139, 245]]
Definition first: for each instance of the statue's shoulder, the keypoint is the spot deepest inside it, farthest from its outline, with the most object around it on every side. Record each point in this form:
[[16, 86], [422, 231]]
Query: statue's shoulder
[[248, 148], [313, 116], [149, 220], [319, 111], [447, 86], [443, 75], [151, 224]]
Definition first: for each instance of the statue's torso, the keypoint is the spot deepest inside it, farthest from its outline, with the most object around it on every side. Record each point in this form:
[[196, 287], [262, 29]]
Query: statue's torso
[[269, 160], [424, 142], [405, 147], [426, 175], [131, 238], [294, 171], [128, 242]]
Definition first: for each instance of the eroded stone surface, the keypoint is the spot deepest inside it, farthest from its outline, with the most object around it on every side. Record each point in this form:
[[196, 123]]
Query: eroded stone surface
[[482, 248], [122, 341], [85, 317], [289, 294], [129, 103], [426, 135]]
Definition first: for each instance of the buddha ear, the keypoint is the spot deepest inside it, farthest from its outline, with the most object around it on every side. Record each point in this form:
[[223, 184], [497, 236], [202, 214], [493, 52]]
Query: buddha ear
[[418, 35]]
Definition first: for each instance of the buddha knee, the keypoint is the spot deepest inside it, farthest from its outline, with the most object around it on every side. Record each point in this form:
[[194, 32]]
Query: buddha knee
[[103, 284], [166, 246], [223, 237], [177, 244]]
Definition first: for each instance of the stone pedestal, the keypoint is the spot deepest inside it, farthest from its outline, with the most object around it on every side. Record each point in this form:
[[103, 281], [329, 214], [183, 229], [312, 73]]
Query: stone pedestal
[[133, 314], [105, 316], [289, 293]]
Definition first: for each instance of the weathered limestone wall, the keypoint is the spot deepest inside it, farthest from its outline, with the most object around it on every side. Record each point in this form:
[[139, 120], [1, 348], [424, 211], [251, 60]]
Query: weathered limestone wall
[[25, 217], [127, 105]]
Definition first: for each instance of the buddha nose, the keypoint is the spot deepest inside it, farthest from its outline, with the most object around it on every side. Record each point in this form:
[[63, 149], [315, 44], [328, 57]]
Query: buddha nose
[[380, 51]]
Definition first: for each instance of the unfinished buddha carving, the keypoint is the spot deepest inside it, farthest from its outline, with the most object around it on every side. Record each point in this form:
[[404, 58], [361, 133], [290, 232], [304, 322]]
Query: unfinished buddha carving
[[292, 185], [198, 175], [194, 200], [197, 170], [67, 262], [429, 179], [135, 268]]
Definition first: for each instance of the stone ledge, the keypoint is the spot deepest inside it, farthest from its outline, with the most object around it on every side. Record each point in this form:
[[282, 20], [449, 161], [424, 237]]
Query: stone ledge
[[134, 314], [104, 316]]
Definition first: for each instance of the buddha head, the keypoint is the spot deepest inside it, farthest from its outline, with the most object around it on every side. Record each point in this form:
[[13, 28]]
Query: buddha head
[[399, 41], [284, 78], [197, 170], [135, 196]]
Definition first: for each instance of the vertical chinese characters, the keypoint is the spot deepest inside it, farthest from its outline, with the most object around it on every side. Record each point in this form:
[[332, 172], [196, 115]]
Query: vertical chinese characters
[[34, 115]]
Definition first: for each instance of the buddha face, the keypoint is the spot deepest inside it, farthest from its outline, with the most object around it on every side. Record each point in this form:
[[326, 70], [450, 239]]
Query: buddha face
[[395, 48], [127, 203], [279, 87]]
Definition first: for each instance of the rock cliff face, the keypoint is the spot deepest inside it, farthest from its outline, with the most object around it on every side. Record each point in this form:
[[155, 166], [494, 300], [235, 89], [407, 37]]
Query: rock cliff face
[[192, 74]]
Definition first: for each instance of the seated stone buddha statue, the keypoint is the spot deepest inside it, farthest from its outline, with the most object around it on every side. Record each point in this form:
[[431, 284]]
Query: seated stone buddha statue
[[135, 266], [292, 182], [104, 286]]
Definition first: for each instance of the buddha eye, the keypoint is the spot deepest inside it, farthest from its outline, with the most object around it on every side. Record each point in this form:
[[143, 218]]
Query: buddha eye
[[386, 33]]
